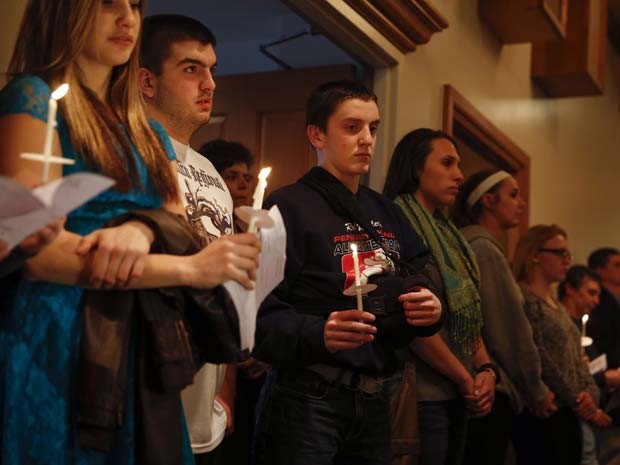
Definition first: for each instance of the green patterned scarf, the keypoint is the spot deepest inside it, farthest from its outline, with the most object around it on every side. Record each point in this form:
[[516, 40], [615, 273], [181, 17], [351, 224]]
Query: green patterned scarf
[[458, 268]]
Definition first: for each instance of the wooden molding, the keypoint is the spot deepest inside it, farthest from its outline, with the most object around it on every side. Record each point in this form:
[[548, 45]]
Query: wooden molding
[[330, 19], [519, 21], [463, 120], [575, 67], [405, 23]]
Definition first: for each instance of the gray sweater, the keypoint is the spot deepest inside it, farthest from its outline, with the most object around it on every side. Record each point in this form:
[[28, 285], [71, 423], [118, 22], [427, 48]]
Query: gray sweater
[[507, 333]]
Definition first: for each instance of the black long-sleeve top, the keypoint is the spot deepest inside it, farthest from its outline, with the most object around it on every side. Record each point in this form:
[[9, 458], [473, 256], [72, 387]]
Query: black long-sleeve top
[[319, 266]]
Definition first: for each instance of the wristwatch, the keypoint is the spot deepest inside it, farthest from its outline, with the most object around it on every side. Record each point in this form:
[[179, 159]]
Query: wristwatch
[[491, 368]]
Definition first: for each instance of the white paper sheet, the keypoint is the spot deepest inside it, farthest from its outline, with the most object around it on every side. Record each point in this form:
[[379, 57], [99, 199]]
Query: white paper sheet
[[598, 365], [22, 211], [270, 274]]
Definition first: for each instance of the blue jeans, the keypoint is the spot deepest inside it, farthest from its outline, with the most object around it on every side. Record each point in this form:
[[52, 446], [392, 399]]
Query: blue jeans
[[443, 431], [306, 421]]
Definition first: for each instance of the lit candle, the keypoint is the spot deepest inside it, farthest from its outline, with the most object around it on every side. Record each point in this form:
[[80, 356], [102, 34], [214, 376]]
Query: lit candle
[[358, 283], [59, 93], [584, 321], [259, 194], [261, 185]]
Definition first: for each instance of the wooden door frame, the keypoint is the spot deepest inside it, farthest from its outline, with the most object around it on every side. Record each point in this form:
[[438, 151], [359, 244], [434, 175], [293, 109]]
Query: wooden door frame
[[492, 143]]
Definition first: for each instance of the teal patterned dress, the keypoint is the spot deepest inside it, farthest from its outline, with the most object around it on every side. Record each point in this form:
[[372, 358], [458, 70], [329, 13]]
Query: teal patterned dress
[[40, 325]]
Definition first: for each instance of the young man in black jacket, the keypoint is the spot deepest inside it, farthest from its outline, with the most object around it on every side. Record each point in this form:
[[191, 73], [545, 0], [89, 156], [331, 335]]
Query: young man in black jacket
[[335, 367]]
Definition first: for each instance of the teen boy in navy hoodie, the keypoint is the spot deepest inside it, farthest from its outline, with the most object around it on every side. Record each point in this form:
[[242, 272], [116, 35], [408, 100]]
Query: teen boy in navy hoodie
[[327, 399]]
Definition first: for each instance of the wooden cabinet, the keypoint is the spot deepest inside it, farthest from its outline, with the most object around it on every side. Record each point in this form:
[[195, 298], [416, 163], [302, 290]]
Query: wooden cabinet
[[519, 21], [575, 66]]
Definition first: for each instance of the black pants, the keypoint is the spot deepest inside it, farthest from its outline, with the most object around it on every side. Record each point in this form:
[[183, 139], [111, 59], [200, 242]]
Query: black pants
[[488, 436], [555, 440]]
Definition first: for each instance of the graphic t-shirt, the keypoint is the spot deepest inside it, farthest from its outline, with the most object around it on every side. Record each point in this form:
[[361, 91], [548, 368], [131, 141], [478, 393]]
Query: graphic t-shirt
[[209, 208], [206, 198]]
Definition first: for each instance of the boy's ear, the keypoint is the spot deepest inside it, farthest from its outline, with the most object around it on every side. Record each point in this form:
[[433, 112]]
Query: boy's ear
[[316, 136], [146, 83]]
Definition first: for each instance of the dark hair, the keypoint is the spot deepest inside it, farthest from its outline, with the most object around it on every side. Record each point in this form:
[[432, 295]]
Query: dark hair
[[324, 100], [464, 215], [574, 278], [598, 258], [224, 154], [159, 32], [408, 160]]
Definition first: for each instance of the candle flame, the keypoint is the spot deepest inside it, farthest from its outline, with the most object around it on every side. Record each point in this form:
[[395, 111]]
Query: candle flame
[[61, 91], [354, 247], [262, 176], [585, 318]]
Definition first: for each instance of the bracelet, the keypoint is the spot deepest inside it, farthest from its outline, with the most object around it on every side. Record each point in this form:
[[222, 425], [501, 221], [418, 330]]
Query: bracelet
[[491, 368]]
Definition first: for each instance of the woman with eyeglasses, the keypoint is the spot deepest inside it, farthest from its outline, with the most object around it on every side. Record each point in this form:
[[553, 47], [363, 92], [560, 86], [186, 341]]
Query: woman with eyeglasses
[[541, 260], [489, 204]]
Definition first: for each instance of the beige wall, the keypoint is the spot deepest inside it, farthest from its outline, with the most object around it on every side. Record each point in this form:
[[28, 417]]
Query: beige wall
[[10, 20], [573, 143]]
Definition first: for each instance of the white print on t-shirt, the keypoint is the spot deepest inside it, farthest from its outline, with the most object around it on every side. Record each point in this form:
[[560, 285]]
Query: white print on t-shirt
[[206, 199]]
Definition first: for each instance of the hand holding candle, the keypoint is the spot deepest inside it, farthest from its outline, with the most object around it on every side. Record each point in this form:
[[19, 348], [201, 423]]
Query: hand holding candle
[[358, 283]]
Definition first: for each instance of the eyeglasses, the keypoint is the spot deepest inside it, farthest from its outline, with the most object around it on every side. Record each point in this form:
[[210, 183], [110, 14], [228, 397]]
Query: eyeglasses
[[563, 253]]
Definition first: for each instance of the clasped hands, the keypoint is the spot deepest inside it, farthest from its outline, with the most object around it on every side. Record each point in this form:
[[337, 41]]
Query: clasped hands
[[348, 329], [117, 255], [479, 393]]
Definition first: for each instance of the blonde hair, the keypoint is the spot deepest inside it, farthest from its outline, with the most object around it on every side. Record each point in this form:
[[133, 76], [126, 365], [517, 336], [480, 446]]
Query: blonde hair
[[528, 246], [52, 34]]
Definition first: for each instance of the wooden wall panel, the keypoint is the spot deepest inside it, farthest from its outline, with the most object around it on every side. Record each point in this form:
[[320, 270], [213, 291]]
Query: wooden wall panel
[[575, 67]]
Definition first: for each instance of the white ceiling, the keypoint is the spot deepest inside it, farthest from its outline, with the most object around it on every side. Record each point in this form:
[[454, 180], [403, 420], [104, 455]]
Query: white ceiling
[[241, 26]]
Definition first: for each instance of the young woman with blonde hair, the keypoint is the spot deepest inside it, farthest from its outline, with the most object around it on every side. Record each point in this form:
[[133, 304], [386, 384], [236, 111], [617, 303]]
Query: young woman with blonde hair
[[541, 260], [91, 44]]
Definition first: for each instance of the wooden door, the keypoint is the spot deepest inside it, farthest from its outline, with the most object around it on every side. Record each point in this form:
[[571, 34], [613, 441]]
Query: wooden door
[[266, 113], [484, 146]]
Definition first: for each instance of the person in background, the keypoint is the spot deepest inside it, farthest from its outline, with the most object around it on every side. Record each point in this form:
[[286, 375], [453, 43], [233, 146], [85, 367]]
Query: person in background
[[604, 327], [488, 205], [541, 260], [453, 367], [234, 163], [579, 293]]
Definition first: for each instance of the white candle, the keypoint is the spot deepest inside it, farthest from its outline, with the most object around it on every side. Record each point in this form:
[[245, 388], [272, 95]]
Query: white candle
[[358, 283], [584, 321], [259, 194], [59, 93], [259, 191]]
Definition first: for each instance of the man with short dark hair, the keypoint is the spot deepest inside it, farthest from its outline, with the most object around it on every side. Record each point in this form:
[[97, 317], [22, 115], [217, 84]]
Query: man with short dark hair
[[178, 62], [604, 329], [604, 323], [326, 400]]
